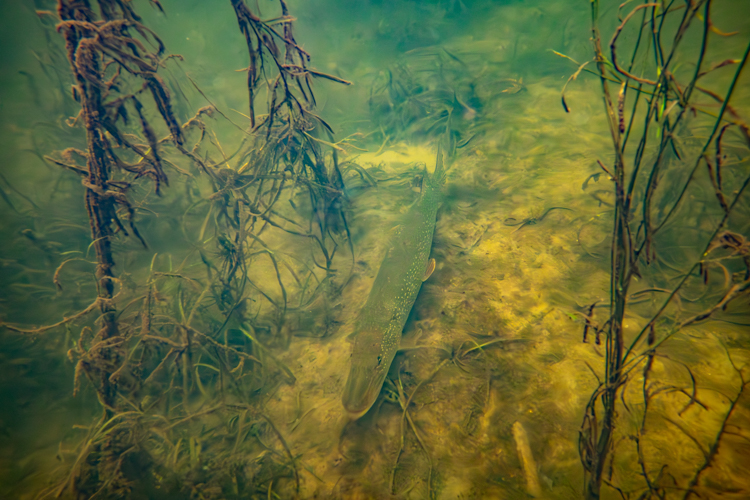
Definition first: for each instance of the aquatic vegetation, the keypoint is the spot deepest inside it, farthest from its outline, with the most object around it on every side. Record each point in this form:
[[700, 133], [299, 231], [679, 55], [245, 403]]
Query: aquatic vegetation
[[654, 170], [177, 347], [434, 93], [530, 221]]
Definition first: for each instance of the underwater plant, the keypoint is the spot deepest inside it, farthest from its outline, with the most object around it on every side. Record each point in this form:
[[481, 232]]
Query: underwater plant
[[675, 160], [180, 362], [433, 93]]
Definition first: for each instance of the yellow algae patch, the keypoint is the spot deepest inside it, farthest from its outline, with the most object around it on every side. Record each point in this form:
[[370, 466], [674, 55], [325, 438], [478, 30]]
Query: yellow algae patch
[[394, 160]]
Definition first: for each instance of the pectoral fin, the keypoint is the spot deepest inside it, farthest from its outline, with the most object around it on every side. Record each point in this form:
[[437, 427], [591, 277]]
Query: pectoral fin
[[428, 271]]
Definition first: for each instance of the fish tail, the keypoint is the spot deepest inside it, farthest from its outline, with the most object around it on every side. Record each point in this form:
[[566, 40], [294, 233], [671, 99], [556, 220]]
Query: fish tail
[[437, 179], [439, 174]]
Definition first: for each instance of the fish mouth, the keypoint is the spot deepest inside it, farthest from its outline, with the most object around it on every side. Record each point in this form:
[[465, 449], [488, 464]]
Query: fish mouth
[[361, 390]]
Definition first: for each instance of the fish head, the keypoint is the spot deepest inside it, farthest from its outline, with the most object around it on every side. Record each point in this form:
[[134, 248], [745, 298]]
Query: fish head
[[369, 367]]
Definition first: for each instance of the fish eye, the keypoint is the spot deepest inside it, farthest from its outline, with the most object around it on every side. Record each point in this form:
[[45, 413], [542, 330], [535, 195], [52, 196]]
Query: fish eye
[[380, 359]]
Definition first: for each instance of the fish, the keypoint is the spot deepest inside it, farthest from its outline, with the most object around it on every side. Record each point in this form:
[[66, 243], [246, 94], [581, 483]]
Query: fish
[[405, 267]]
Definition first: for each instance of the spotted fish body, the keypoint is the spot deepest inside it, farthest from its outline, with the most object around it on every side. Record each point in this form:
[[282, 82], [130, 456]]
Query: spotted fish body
[[382, 320]]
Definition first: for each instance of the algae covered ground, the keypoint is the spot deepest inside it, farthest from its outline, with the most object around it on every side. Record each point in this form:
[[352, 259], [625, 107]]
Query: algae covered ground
[[505, 346]]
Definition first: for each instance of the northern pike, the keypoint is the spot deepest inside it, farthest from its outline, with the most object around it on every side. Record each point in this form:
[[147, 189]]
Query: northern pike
[[405, 266]]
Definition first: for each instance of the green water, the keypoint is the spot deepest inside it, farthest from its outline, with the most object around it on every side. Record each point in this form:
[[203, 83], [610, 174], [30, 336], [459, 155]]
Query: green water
[[232, 388]]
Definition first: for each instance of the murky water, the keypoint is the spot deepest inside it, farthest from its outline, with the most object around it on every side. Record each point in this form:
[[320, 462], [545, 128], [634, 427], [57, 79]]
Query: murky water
[[224, 373]]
